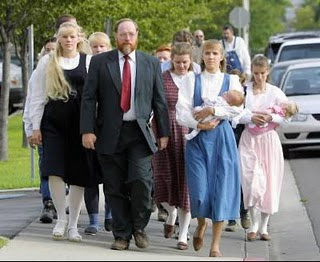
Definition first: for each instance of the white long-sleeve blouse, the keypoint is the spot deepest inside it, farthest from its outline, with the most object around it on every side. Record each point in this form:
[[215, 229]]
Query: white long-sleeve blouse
[[38, 100], [211, 86], [262, 102]]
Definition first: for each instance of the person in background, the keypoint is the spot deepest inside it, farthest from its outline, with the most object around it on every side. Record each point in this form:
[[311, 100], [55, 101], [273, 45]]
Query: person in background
[[261, 156], [99, 43], [55, 115], [211, 157], [163, 53], [48, 212], [170, 183], [237, 52], [244, 214], [183, 36], [124, 87], [198, 37]]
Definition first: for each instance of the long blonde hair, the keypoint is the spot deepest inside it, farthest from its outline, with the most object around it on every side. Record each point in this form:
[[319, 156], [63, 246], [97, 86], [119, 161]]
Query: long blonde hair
[[57, 87]]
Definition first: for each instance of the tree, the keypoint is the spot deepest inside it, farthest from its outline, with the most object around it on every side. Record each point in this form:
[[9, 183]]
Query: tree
[[308, 16]]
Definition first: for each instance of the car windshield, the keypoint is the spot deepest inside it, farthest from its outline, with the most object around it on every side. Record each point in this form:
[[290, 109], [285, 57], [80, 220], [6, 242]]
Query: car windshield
[[302, 81], [300, 52], [277, 74]]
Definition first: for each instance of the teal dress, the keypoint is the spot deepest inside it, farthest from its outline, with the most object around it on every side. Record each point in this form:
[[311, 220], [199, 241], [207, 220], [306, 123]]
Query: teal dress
[[212, 168]]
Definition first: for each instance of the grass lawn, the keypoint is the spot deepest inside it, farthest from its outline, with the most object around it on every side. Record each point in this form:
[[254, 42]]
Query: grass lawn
[[3, 241], [16, 172]]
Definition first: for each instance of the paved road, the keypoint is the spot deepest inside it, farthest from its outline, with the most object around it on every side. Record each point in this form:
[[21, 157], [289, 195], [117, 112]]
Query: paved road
[[305, 166], [17, 210]]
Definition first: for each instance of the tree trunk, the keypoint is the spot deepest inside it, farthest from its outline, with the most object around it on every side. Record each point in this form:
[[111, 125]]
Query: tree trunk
[[4, 101]]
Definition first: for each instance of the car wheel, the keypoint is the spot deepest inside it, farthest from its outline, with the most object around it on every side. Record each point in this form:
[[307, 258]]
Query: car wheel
[[286, 152]]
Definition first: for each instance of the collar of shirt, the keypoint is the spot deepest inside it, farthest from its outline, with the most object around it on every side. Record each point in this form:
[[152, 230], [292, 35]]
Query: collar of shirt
[[132, 56]]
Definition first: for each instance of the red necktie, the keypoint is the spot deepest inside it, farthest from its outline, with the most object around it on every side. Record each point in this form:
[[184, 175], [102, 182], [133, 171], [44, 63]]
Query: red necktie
[[126, 85]]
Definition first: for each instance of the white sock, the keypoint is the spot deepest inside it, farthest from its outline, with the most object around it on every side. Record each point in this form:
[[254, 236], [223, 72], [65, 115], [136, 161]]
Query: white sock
[[184, 222], [254, 219], [172, 213], [58, 193], [264, 223], [76, 194]]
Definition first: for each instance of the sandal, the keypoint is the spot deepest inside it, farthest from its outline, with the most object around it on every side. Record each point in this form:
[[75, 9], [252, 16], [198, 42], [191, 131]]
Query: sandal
[[182, 246], [73, 235], [215, 254], [58, 230]]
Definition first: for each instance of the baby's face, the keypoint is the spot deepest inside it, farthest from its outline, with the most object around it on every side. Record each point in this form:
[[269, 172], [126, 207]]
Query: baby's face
[[229, 97]]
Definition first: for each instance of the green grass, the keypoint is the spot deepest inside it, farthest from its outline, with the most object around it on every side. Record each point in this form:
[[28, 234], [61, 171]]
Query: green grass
[[16, 172], [3, 241]]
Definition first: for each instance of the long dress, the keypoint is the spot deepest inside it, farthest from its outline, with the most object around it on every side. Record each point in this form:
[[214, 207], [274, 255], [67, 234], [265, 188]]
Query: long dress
[[261, 156], [168, 165], [211, 157], [63, 153]]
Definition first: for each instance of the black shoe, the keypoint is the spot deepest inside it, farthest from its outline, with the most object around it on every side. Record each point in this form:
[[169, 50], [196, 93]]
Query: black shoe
[[108, 225], [47, 212], [91, 230], [141, 238]]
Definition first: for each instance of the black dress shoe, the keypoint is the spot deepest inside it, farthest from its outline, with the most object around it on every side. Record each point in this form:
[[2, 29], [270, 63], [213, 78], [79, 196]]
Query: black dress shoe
[[141, 238], [120, 244]]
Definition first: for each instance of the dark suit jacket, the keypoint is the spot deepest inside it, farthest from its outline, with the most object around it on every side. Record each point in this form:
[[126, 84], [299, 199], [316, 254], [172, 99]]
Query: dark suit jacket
[[103, 88]]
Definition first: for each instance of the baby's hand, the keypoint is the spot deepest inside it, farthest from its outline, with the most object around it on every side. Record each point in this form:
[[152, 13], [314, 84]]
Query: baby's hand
[[202, 114]]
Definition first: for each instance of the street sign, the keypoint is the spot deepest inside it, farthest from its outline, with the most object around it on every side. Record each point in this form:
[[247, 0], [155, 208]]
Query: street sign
[[239, 17]]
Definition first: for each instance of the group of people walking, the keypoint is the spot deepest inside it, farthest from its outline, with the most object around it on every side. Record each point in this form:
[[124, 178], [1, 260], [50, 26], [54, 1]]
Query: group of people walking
[[119, 118]]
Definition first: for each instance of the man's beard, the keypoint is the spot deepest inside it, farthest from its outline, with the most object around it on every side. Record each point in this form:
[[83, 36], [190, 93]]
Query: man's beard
[[127, 48]]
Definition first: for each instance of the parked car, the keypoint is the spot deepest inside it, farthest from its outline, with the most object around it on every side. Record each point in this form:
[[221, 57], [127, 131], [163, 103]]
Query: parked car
[[277, 71], [301, 83], [298, 49], [277, 40], [16, 95]]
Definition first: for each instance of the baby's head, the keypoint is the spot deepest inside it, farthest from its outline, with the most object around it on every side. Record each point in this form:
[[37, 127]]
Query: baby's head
[[99, 42], [234, 97], [290, 108]]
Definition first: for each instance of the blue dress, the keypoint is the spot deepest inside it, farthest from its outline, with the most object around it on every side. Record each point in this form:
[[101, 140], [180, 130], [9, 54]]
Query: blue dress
[[212, 168]]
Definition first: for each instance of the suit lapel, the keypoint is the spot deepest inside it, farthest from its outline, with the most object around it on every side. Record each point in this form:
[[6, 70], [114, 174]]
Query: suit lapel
[[112, 64]]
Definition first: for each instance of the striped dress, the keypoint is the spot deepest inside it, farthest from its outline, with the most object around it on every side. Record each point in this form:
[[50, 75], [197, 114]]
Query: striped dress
[[168, 165]]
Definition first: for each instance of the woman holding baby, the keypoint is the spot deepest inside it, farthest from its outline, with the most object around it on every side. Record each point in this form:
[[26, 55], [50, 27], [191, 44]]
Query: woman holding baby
[[211, 156]]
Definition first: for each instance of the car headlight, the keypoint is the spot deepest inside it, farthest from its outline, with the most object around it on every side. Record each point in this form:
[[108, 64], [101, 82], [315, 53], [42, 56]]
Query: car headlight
[[300, 118]]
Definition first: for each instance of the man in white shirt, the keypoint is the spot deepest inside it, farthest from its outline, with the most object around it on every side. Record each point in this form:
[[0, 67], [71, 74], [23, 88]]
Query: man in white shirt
[[237, 53], [197, 46]]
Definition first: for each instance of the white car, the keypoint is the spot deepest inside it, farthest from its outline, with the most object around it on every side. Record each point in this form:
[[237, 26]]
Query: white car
[[301, 83], [299, 49]]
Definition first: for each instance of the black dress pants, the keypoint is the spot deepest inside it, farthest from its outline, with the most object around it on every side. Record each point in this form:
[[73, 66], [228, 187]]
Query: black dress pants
[[128, 179]]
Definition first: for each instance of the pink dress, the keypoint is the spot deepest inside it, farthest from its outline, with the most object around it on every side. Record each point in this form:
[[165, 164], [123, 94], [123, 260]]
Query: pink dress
[[170, 183], [261, 156]]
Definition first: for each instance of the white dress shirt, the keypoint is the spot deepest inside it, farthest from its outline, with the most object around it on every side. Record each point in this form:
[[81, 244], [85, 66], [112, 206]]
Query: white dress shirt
[[38, 84], [131, 113], [211, 86]]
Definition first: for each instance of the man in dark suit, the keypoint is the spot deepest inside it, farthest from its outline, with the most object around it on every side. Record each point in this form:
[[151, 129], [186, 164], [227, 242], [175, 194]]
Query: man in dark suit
[[123, 90]]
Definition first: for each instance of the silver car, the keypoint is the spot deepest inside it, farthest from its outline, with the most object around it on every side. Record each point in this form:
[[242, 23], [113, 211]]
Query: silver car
[[301, 83]]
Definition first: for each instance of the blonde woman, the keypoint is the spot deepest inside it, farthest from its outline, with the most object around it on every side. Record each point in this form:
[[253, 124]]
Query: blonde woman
[[99, 43], [55, 113], [211, 157]]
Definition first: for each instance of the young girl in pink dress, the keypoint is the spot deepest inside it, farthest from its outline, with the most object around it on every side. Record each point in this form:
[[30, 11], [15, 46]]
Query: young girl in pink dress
[[261, 156]]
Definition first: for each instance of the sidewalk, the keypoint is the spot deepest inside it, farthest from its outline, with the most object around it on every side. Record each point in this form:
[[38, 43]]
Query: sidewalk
[[292, 239]]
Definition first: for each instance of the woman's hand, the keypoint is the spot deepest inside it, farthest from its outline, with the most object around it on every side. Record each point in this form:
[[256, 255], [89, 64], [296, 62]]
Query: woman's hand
[[208, 125], [203, 113], [261, 119], [36, 138]]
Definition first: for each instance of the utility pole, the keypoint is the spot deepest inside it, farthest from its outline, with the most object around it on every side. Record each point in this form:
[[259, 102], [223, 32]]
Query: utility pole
[[246, 5]]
